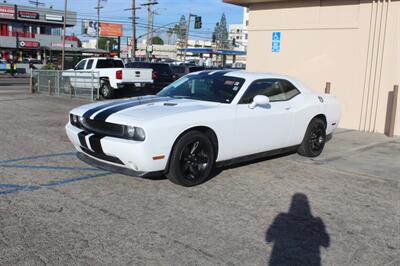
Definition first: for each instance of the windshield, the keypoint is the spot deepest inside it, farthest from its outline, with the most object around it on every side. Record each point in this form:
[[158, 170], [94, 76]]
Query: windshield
[[204, 87]]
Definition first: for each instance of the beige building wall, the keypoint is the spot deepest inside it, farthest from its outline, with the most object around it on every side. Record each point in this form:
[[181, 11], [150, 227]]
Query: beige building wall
[[351, 43]]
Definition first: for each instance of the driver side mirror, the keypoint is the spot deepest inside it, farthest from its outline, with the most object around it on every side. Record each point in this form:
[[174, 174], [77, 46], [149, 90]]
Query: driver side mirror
[[259, 100]]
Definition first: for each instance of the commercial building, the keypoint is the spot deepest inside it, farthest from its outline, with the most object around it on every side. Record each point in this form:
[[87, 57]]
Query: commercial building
[[30, 32], [354, 44], [235, 32]]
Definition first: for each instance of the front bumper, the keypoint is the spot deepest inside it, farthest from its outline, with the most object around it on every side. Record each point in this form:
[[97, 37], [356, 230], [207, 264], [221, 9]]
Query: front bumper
[[133, 155]]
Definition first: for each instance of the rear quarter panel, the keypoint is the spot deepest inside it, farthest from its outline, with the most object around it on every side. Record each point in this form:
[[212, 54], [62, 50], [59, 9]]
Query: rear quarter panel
[[309, 105]]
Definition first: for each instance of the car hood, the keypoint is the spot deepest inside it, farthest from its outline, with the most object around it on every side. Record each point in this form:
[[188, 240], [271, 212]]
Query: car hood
[[141, 109]]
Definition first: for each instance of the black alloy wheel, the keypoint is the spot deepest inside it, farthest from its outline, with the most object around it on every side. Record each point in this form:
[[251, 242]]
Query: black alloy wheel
[[192, 159], [314, 139]]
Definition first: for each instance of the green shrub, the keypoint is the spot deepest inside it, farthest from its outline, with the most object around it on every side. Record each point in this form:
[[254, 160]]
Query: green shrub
[[48, 67]]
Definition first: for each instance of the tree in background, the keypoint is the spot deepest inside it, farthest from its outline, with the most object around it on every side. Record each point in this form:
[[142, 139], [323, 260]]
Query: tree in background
[[181, 31], [220, 34], [170, 33], [157, 40]]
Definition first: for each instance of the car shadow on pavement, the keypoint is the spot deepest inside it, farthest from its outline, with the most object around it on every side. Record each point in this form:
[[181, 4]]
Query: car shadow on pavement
[[297, 235]]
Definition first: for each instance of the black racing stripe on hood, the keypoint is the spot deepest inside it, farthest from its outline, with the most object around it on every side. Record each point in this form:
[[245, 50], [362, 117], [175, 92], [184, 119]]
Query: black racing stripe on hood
[[90, 112], [102, 116]]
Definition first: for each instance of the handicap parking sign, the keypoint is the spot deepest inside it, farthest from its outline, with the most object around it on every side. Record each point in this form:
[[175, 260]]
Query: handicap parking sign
[[276, 42]]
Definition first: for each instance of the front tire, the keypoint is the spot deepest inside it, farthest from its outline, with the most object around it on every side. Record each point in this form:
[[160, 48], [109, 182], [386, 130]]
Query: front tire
[[314, 139], [106, 91], [192, 160]]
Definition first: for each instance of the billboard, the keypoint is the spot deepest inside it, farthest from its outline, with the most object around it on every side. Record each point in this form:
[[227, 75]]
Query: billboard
[[90, 28], [111, 30]]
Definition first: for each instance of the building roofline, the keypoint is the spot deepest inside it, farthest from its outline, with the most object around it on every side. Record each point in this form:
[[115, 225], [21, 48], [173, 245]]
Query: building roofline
[[246, 3]]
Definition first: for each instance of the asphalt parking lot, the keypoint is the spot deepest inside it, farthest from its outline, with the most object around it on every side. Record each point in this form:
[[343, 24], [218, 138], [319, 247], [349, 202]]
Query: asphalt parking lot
[[342, 208]]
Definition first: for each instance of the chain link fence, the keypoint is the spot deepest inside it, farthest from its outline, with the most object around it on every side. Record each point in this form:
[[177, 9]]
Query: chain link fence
[[80, 84]]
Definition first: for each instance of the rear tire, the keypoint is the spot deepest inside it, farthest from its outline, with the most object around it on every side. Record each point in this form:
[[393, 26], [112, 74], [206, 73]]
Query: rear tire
[[314, 139], [106, 91], [192, 160]]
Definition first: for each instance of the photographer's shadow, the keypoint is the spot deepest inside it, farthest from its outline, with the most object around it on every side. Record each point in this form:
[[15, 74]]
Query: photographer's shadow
[[297, 235]]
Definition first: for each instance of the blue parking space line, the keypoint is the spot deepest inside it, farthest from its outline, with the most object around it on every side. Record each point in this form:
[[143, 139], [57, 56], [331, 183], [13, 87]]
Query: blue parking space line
[[38, 157], [29, 188], [61, 168], [73, 180]]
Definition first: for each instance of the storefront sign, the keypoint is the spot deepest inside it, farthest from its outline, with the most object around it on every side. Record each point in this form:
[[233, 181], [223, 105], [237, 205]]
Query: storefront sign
[[29, 44], [110, 30], [28, 15], [7, 12], [51, 17], [60, 44]]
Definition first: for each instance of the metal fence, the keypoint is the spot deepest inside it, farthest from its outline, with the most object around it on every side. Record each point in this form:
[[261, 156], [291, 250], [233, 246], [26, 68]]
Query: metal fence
[[80, 84]]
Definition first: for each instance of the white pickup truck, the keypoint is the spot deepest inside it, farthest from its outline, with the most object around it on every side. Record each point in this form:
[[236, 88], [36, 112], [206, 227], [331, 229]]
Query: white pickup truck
[[107, 74]]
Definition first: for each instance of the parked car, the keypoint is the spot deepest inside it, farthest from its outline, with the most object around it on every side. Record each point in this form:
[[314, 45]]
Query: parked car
[[180, 71], [112, 75], [162, 73], [202, 120]]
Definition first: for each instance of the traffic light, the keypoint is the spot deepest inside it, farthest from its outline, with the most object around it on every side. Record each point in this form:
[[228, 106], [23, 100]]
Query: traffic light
[[214, 38], [197, 22], [234, 42]]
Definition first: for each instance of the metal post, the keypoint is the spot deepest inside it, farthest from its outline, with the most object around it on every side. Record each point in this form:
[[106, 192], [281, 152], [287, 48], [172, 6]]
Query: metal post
[[91, 93], [99, 84], [64, 35], [38, 81], [393, 111], [49, 86], [31, 83], [328, 88], [58, 82]]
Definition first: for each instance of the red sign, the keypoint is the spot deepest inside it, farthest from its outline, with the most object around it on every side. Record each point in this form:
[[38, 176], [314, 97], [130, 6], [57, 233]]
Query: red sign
[[7, 12], [29, 44], [110, 30], [28, 15]]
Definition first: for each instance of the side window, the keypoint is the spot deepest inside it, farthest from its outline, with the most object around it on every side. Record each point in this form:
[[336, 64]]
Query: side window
[[268, 87], [289, 89], [81, 65], [89, 64]]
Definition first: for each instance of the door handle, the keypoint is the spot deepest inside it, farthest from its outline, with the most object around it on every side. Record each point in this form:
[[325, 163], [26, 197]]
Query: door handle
[[288, 108]]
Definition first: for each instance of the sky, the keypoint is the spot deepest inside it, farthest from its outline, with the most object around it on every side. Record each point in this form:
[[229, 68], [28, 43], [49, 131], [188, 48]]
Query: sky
[[169, 11]]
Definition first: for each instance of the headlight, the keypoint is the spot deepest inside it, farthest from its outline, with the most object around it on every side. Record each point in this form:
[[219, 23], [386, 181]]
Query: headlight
[[135, 133], [75, 120]]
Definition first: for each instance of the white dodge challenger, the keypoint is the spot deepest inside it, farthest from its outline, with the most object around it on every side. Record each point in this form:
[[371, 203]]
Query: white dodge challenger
[[203, 120]]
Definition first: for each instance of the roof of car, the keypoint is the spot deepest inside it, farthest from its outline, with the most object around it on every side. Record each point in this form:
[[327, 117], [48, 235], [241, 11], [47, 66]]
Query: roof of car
[[252, 76]]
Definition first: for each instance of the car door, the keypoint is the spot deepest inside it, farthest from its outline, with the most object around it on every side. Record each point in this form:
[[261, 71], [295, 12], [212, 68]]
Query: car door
[[263, 128], [77, 80]]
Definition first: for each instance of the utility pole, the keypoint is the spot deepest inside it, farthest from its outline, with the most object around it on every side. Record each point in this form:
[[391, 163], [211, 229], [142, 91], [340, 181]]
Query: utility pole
[[98, 19], [150, 19], [134, 43], [64, 35], [133, 30], [36, 3]]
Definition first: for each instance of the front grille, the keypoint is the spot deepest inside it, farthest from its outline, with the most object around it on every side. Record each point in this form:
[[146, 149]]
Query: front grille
[[102, 128]]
